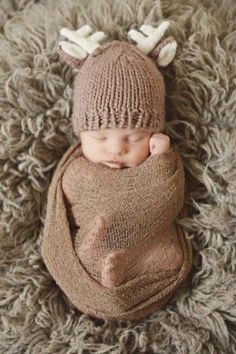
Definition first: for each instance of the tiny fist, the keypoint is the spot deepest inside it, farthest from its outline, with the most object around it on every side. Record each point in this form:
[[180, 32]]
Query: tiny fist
[[159, 143]]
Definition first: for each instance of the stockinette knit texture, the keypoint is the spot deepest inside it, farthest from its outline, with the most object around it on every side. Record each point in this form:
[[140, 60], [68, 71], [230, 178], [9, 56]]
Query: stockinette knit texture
[[118, 87], [138, 207]]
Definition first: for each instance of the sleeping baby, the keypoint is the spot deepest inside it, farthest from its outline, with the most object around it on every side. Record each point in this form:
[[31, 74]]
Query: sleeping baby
[[117, 192]]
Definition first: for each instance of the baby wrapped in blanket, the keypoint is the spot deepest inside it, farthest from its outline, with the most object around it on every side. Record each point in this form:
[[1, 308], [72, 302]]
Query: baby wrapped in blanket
[[111, 241]]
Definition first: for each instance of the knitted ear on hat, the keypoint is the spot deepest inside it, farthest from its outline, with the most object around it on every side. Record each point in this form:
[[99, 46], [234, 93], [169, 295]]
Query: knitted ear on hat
[[82, 43], [147, 41]]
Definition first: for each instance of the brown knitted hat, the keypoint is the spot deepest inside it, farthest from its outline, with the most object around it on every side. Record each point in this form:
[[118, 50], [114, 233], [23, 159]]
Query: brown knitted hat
[[118, 84], [118, 87]]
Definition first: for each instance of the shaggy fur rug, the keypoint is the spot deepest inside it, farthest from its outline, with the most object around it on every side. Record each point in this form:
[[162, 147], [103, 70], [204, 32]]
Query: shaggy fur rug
[[35, 111]]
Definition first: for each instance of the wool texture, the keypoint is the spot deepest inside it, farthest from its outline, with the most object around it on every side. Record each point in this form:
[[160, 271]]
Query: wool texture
[[36, 106], [98, 217]]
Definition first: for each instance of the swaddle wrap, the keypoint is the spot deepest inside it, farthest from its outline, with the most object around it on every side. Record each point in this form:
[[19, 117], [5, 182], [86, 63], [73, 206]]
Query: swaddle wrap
[[96, 214]]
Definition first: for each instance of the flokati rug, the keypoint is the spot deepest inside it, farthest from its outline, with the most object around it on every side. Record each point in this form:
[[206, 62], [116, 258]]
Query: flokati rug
[[35, 113]]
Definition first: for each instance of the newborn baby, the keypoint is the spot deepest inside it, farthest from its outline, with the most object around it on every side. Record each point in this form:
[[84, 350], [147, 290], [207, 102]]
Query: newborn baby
[[110, 240]]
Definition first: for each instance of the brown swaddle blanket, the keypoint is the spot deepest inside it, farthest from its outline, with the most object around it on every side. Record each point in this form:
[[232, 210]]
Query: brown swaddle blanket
[[110, 239]]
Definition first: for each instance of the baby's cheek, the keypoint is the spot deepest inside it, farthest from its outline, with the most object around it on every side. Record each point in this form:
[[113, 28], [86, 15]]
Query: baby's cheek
[[92, 152]]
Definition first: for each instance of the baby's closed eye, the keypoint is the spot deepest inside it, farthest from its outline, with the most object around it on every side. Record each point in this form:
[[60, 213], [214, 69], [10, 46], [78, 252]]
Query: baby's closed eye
[[129, 138]]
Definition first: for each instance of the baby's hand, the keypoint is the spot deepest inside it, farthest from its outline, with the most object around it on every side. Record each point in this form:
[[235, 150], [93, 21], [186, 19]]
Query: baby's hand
[[159, 143]]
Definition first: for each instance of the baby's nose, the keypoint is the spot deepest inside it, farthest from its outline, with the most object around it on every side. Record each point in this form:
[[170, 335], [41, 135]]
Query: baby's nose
[[116, 149]]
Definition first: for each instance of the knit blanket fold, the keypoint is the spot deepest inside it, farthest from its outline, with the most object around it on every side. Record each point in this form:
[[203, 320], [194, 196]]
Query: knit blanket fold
[[110, 239]]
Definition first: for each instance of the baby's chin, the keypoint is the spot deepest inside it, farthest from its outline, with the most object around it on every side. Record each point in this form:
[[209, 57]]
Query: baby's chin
[[115, 165], [121, 166]]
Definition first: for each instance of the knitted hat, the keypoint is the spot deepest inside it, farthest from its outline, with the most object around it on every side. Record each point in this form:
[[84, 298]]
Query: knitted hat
[[118, 87]]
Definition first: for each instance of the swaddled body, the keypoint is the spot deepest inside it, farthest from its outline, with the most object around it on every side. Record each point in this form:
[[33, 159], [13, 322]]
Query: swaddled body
[[155, 256]]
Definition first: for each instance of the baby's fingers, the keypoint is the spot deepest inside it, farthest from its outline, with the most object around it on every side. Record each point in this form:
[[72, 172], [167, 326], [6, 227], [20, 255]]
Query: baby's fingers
[[159, 143]]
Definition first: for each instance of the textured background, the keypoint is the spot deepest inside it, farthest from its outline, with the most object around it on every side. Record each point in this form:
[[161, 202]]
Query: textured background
[[35, 112]]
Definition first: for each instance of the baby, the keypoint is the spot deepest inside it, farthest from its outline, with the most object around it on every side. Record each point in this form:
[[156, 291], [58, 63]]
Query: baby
[[110, 237]]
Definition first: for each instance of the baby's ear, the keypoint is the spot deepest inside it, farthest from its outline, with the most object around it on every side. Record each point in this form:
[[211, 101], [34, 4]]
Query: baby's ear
[[149, 43], [82, 43]]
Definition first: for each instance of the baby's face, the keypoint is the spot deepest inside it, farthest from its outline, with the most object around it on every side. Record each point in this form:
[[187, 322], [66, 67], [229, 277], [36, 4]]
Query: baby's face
[[128, 147]]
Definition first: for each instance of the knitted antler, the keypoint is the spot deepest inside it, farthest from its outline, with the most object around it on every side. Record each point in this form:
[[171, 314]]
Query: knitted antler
[[147, 41], [83, 43]]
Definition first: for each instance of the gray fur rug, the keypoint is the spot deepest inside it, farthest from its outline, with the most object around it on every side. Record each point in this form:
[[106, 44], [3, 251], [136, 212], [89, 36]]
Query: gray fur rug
[[35, 111]]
